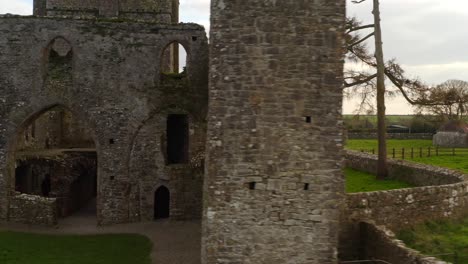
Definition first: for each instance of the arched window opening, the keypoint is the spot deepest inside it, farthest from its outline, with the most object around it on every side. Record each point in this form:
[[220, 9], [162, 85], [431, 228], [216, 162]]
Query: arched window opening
[[177, 139], [59, 64], [57, 160], [174, 59], [161, 203]]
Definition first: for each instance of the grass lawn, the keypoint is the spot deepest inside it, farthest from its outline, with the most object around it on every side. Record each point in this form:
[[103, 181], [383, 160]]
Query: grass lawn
[[435, 238], [357, 181], [24, 248], [457, 162], [367, 144]]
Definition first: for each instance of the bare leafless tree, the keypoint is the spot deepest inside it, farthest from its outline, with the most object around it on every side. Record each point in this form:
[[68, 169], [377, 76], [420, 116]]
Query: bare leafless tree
[[449, 100]]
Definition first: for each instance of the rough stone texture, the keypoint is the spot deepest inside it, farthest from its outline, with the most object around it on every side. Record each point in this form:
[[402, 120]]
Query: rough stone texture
[[33, 209], [274, 183], [402, 208], [377, 242], [111, 80], [448, 139], [154, 10], [390, 135], [416, 174]]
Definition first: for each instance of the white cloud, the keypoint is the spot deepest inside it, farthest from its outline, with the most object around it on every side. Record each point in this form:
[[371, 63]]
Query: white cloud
[[196, 11], [16, 7], [428, 37]]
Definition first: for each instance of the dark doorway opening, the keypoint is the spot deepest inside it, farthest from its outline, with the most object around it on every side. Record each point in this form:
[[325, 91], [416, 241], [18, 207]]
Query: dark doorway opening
[[161, 203], [23, 183], [177, 139]]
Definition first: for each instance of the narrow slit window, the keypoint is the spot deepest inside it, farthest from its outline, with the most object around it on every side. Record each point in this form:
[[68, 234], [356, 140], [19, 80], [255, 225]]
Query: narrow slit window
[[177, 139], [308, 119], [252, 185]]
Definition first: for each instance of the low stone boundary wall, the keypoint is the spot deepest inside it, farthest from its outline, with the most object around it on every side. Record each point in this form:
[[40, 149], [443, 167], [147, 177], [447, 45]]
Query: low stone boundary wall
[[397, 209], [391, 135], [377, 242], [33, 209], [413, 173], [444, 194]]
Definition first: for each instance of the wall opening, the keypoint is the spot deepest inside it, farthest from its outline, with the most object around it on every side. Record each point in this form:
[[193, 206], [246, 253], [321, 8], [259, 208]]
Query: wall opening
[[174, 59], [161, 203], [177, 139], [59, 161], [59, 67]]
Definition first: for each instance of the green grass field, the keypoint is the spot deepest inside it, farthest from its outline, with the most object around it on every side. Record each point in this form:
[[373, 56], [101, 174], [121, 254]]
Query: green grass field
[[22, 248], [357, 181], [368, 144], [435, 238], [457, 162]]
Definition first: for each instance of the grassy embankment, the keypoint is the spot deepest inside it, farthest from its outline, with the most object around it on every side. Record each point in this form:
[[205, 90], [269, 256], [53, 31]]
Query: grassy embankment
[[439, 237], [21, 248]]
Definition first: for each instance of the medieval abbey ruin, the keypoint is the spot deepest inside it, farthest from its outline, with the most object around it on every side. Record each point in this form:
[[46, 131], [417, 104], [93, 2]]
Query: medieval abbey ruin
[[247, 137]]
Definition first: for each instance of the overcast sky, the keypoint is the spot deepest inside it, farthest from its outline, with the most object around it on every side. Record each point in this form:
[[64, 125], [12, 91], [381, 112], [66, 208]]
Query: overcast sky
[[428, 37]]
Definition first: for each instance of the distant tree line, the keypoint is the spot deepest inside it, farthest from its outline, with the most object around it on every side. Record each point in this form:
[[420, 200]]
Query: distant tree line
[[415, 123]]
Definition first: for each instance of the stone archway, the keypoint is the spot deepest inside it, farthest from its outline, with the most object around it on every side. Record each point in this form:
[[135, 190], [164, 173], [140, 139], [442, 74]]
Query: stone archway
[[52, 167]]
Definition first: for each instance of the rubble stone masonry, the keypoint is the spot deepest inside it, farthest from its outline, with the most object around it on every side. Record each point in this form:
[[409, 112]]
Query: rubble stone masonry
[[274, 181]]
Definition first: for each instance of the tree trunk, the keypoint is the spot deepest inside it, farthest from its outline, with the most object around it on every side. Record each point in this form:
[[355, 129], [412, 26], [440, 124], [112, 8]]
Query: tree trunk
[[382, 170]]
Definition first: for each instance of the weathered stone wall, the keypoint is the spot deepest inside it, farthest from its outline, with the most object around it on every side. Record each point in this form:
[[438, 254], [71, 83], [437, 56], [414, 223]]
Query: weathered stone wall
[[57, 128], [450, 139], [109, 77], [274, 181], [402, 208], [154, 10], [416, 174], [32, 209], [390, 135], [377, 242]]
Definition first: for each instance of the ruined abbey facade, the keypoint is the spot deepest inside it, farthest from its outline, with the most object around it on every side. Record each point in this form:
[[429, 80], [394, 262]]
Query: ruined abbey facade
[[95, 109]]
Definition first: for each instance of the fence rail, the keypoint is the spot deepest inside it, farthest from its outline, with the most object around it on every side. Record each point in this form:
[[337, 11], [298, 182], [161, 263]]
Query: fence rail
[[411, 153]]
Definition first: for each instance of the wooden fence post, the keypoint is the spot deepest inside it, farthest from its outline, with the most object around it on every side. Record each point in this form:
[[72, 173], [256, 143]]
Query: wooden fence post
[[403, 153], [412, 153], [393, 153]]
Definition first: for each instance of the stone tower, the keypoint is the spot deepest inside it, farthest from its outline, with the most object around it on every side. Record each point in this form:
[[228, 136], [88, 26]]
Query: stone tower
[[273, 184], [163, 11]]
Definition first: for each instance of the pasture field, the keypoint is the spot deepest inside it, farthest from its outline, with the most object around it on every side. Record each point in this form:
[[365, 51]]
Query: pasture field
[[456, 159]]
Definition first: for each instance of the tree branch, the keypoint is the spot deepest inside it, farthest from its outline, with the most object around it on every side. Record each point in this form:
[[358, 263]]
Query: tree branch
[[365, 80], [352, 29], [350, 46]]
